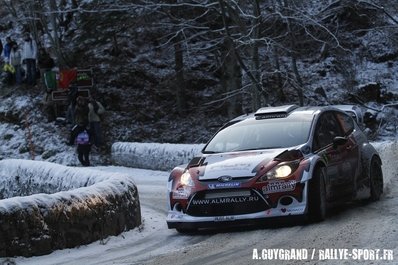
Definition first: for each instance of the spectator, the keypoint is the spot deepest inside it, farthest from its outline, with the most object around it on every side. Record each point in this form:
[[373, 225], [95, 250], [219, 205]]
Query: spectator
[[94, 117], [45, 62], [83, 146], [7, 49], [15, 61], [81, 111], [81, 118], [29, 57]]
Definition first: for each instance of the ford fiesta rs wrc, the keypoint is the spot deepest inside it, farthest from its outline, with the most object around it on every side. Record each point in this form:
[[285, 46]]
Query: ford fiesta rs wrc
[[278, 162]]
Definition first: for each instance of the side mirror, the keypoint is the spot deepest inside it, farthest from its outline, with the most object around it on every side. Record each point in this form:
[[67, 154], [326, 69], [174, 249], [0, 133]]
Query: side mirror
[[339, 140]]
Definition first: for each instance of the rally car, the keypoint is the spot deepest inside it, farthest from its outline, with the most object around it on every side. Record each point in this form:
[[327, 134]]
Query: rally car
[[277, 162]]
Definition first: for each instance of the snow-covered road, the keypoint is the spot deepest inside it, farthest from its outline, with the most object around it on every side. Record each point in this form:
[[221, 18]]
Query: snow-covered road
[[357, 225]]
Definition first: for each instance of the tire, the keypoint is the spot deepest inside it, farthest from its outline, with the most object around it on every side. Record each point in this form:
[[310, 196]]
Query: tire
[[317, 207], [376, 180]]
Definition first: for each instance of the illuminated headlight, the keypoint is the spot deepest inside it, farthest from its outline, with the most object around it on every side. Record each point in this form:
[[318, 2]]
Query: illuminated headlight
[[282, 170], [186, 179]]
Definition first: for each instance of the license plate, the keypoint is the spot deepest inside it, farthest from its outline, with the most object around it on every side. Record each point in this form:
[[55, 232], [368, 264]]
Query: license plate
[[221, 194], [223, 218]]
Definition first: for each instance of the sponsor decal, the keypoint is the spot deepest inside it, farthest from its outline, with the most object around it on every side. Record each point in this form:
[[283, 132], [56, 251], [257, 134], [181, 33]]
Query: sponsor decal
[[224, 218], [230, 166], [292, 210], [225, 200], [176, 216], [224, 185], [279, 186]]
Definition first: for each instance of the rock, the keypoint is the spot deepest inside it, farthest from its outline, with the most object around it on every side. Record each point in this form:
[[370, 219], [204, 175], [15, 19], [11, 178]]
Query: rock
[[47, 154], [370, 92], [321, 91], [8, 137], [23, 149]]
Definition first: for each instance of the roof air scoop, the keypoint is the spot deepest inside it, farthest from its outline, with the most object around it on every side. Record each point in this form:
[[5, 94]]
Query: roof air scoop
[[274, 112]]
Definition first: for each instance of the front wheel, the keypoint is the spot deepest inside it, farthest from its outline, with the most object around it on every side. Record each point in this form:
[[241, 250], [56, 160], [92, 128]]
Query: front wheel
[[317, 197], [376, 180]]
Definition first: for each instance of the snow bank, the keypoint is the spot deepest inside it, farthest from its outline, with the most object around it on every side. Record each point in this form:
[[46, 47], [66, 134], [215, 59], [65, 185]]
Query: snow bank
[[75, 206], [388, 151], [154, 156]]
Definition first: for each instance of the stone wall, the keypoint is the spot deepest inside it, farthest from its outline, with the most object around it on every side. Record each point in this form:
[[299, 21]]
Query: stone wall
[[40, 223]]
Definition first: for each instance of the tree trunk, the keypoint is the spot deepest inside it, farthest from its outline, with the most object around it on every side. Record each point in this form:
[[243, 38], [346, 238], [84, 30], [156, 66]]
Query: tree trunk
[[292, 39], [56, 42], [179, 69], [232, 67], [231, 80], [256, 96], [279, 83]]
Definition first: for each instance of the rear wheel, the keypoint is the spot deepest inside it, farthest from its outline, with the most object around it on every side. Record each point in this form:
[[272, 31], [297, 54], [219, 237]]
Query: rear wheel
[[376, 180], [317, 197]]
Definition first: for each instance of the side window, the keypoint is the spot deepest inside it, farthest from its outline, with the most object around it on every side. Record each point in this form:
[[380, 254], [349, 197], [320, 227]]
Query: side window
[[327, 128], [346, 123]]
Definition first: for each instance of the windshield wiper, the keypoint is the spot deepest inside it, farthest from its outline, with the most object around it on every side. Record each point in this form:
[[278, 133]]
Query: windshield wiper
[[209, 152], [257, 148]]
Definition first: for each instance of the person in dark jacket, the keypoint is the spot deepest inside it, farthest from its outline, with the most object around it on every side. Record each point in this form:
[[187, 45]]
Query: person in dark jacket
[[81, 118], [45, 63], [7, 49], [96, 110]]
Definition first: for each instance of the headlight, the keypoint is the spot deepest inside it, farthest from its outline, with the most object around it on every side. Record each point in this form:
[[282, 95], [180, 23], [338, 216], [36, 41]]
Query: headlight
[[186, 179], [281, 170]]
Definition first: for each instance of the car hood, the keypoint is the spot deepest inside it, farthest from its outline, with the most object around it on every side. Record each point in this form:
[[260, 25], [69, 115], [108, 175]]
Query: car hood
[[242, 164]]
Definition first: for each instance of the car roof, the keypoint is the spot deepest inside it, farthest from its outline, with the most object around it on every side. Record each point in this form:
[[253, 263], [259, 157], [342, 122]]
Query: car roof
[[291, 111]]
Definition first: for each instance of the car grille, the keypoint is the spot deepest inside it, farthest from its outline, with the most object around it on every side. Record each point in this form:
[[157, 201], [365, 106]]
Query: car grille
[[226, 202], [240, 179]]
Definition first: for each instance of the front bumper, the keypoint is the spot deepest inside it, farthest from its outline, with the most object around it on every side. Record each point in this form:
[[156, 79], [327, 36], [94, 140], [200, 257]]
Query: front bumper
[[179, 220]]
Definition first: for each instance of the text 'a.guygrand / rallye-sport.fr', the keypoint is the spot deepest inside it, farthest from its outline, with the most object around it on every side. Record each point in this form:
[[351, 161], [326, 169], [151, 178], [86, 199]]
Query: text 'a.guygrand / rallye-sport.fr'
[[278, 162]]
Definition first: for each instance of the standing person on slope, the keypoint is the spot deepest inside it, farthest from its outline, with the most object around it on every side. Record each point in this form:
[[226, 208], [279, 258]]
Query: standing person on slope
[[96, 110], [83, 146], [29, 57], [15, 61]]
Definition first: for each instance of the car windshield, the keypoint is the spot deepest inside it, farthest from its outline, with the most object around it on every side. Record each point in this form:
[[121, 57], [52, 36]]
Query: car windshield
[[255, 134]]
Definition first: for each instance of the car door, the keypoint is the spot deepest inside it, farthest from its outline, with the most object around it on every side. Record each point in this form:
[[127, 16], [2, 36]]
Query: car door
[[339, 182], [350, 150]]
